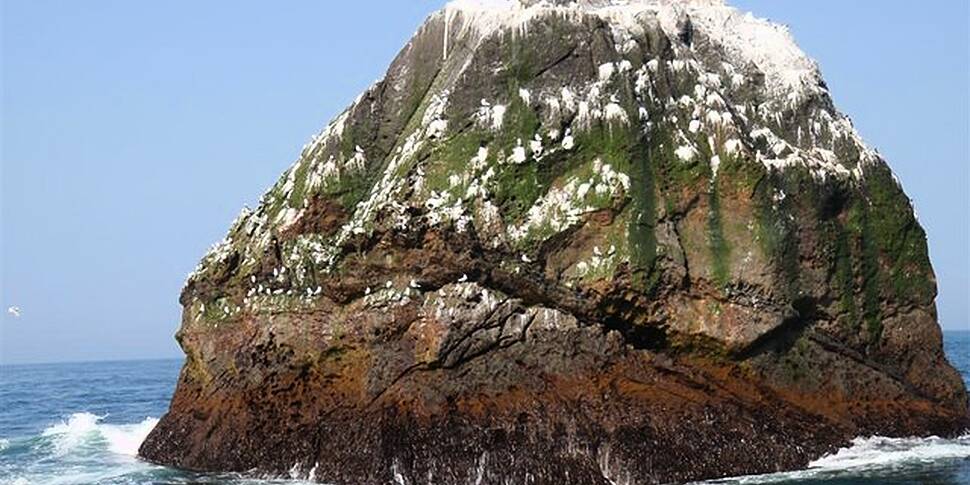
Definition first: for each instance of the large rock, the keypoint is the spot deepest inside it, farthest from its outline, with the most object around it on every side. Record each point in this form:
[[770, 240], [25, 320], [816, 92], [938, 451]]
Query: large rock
[[567, 242]]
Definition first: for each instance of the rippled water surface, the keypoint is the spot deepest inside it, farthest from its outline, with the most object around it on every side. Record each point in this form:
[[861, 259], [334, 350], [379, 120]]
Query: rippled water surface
[[77, 424]]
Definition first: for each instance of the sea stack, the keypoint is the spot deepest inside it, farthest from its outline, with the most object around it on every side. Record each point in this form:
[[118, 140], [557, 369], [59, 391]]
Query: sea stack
[[593, 242]]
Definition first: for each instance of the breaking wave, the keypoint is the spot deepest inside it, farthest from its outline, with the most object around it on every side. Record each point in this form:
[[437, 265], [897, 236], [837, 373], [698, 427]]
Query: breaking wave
[[875, 456], [85, 430], [83, 450], [882, 452], [83, 437], [75, 451]]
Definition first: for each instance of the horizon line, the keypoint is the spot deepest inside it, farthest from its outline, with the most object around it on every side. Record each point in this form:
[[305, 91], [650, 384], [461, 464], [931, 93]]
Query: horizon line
[[107, 360]]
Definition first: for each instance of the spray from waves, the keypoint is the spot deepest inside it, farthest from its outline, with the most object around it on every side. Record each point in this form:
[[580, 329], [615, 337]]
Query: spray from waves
[[877, 452], [84, 436], [873, 455], [83, 450], [126, 439], [84, 430]]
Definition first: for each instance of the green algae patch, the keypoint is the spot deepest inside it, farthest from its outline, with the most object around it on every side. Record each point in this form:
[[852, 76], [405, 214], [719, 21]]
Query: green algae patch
[[517, 186], [452, 157], [622, 147], [643, 220], [718, 245], [897, 237]]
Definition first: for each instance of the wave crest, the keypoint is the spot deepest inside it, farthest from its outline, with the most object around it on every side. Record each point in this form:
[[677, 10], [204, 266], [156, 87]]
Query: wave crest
[[878, 451], [85, 430], [876, 455]]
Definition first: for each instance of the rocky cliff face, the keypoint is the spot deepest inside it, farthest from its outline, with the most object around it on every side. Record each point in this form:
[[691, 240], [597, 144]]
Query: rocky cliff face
[[567, 242]]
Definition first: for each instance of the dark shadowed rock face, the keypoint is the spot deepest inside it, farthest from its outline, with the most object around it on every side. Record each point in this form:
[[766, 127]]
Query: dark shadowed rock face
[[567, 242]]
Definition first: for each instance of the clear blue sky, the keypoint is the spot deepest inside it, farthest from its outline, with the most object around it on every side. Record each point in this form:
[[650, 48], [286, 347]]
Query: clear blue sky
[[133, 132]]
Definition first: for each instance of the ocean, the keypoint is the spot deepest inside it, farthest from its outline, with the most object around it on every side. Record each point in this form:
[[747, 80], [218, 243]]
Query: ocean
[[82, 423]]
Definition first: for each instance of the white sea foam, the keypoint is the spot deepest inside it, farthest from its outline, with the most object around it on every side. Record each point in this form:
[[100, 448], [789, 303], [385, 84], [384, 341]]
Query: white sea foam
[[879, 451], [76, 431], [85, 429], [874, 454], [126, 439], [85, 450]]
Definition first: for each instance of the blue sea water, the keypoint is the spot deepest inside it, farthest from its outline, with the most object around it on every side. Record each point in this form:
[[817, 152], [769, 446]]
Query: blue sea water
[[82, 423]]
